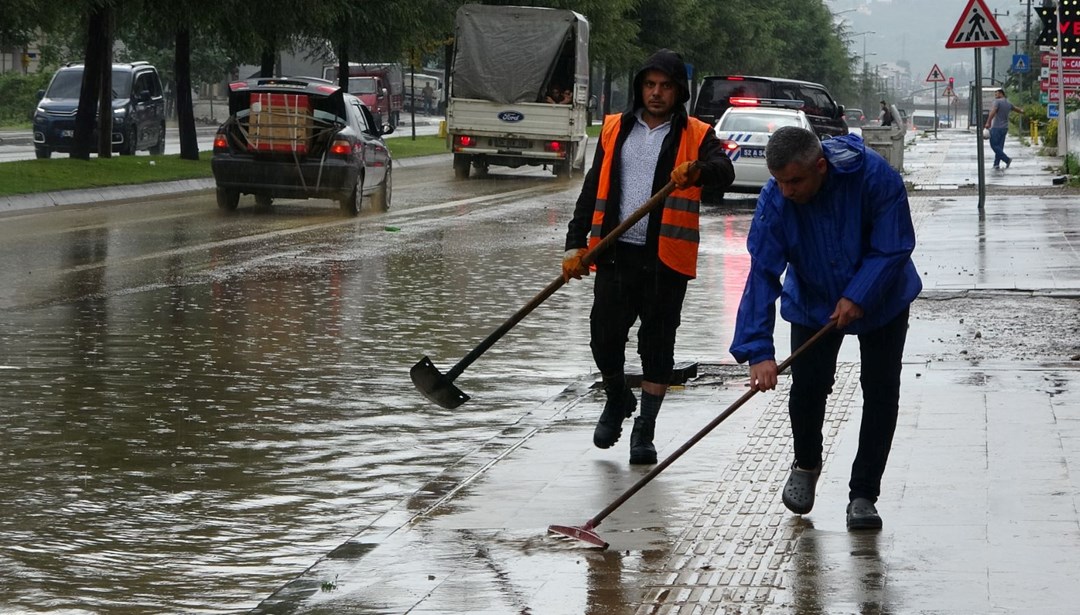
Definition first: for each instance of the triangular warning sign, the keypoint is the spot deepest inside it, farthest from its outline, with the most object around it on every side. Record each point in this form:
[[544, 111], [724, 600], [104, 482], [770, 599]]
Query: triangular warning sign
[[935, 75], [976, 28]]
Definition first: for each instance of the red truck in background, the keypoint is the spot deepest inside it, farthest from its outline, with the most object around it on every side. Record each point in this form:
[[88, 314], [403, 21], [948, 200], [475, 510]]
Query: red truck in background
[[380, 85]]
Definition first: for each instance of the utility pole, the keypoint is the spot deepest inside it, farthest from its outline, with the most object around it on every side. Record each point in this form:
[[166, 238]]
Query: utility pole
[[1027, 44], [993, 51]]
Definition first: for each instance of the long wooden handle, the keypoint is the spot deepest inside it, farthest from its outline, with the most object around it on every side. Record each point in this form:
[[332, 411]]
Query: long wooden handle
[[595, 521], [586, 259]]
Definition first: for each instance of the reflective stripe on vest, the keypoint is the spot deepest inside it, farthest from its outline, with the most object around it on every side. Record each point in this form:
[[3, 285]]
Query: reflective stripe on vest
[[679, 236]]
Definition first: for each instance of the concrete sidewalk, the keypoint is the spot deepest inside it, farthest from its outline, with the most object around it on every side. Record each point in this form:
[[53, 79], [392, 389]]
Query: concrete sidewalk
[[981, 500]]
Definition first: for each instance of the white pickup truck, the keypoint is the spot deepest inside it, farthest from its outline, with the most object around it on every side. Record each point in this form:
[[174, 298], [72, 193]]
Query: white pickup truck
[[519, 89]]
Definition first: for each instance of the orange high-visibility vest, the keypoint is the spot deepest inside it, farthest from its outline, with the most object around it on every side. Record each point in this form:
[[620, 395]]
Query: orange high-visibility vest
[[679, 222]]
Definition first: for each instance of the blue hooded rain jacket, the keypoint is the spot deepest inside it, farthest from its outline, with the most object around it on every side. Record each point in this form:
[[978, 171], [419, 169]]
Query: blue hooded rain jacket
[[854, 240]]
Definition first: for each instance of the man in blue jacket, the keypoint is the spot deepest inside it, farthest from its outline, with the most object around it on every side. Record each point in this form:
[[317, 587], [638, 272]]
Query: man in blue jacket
[[833, 221]]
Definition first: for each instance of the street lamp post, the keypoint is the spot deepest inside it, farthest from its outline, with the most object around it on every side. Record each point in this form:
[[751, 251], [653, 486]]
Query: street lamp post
[[866, 67]]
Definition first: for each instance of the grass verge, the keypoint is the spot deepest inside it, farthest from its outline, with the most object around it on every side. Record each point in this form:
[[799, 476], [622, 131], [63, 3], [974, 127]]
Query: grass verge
[[30, 176], [63, 173]]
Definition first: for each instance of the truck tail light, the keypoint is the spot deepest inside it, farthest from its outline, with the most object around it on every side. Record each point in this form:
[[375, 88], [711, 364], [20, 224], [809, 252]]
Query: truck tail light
[[464, 141], [341, 147], [555, 146]]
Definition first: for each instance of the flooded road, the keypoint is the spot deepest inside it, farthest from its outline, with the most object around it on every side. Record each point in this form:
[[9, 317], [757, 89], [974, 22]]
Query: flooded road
[[197, 406]]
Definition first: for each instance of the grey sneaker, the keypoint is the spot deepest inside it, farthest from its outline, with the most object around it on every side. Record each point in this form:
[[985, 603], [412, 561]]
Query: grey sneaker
[[862, 515]]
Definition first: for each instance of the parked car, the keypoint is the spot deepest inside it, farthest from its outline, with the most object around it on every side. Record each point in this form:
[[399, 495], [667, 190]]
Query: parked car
[[854, 117], [717, 94], [300, 137], [138, 110], [744, 131]]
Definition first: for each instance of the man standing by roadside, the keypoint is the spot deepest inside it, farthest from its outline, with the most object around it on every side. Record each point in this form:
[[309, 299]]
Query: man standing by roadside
[[429, 97], [644, 274], [998, 123], [833, 221]]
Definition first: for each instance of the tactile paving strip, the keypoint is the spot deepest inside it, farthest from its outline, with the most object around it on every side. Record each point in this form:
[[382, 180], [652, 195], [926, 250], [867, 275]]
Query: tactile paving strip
[[736, 552]]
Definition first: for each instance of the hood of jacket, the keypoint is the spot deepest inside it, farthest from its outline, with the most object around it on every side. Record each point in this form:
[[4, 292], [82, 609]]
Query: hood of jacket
[[672, 65], [846, 154]]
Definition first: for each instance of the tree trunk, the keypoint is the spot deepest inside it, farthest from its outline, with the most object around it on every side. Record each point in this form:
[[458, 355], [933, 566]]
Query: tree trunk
[[607, 91], [266, 63], [343, 66], [104, 113], [185, 111], [91, 84]]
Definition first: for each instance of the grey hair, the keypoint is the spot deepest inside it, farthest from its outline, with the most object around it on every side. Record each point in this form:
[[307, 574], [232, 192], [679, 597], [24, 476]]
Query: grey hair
[[792, 144]]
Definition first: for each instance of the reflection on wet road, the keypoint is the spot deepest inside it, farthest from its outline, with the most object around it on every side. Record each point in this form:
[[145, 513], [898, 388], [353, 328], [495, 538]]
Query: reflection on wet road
[[197, 406]]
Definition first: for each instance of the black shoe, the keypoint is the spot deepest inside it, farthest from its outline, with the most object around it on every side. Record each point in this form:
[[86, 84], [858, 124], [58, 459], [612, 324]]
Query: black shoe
[[619, 406], [861, 515], [798, 493], [642, 450]]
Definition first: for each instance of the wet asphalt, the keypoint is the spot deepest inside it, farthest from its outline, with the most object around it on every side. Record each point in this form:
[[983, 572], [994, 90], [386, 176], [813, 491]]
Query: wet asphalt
[[980, 502]]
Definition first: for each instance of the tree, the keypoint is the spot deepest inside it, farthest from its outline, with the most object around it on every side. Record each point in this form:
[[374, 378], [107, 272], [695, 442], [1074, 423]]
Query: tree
[[96, 84]]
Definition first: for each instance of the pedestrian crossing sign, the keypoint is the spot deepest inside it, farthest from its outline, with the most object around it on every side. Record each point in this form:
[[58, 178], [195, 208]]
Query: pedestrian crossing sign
[[1020, 63], [976, 28], [935, 75]]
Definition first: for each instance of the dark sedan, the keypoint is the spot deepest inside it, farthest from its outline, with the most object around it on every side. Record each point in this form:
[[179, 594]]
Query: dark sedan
[[300, 137]]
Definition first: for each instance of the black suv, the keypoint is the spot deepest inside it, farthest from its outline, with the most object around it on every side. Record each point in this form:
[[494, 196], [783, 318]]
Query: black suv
[[138, 110], [824, 114]]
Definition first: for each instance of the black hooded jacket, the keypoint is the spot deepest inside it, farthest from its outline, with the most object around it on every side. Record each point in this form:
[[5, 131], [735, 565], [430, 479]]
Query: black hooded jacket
[[716, 168]]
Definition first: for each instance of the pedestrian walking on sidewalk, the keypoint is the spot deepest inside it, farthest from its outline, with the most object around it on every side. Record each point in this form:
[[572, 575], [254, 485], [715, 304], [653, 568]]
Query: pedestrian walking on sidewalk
[[644, 274], [834, 221], [998, 123], [887, 118]]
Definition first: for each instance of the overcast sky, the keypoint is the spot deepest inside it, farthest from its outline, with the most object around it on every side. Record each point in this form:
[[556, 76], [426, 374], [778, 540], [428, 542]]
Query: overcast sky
[[915, 30]]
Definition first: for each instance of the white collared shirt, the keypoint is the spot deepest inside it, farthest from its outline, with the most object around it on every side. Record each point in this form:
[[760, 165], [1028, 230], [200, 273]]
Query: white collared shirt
[[640, 153]]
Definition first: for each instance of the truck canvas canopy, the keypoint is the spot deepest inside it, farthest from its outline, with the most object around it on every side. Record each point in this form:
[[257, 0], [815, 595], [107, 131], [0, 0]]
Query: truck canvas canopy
[[512, 54]]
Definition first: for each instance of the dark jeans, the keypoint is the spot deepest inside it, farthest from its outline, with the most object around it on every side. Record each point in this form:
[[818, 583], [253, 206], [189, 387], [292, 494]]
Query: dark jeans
[[636, 286], [812, 376], [997, 143]]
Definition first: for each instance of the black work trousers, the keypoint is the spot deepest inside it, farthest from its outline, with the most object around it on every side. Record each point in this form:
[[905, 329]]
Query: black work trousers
[[636, 286], [813, 374]]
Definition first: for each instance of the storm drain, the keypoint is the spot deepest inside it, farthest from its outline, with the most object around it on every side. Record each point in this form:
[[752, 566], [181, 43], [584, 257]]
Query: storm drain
[[737, 550]]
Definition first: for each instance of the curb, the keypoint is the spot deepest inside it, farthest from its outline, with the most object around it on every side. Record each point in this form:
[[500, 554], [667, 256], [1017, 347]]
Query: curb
[[103, 195]]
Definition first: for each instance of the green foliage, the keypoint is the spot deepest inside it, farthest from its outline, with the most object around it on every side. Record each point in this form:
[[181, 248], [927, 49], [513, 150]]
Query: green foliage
[[785, 38], [18, 96], [1050, 136]]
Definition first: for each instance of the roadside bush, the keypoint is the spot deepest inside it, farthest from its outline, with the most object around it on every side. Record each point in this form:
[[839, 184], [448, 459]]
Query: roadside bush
[[1050, 137], [18, 96]]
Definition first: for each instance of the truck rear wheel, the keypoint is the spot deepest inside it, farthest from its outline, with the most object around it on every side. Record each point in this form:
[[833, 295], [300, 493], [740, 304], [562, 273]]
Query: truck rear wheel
[[462, 164]]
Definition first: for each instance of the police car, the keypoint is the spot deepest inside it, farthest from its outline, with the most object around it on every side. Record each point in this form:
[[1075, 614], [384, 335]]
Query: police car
[[744, 130]]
